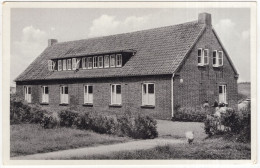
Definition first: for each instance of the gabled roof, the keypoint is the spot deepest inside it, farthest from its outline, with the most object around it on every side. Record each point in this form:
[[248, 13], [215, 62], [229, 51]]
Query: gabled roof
[[158, 51]]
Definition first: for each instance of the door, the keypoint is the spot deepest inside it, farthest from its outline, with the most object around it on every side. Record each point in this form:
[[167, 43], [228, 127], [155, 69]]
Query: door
[[222, 94]]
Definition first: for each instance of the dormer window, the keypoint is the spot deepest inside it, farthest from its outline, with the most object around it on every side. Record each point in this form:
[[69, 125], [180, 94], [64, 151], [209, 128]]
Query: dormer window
[[217, 58], [89, 62], [59, 65], [74, 63], [112, 60], [203, 57], [100, 61], [84, 63], [69, 64], [64, 64], [51, 65], [106, 61], [118, 60], [95, 62]]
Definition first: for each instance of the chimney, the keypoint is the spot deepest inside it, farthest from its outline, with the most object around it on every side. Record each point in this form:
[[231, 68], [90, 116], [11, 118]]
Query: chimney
[[205, 18], [52, 41]]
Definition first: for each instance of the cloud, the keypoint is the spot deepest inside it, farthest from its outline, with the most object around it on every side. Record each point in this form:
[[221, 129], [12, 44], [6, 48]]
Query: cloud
[[108, 25], [33, 41], [52, 28]]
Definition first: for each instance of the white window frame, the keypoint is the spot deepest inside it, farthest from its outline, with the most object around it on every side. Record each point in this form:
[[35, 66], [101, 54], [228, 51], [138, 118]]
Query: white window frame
[[118, 60], [206, 57], [106, 63], [64, 65], [89, 62], [84, 61], [110, 61], [222, 98], [59, 65], [216, 58], [100, 61], [69, 64], [28, 94], [222, 54], [200, 56], [148, 99], [51, 65], [64, 98], [95, 62], [116, 99], [45, 96], [74, 63], [88, 97]]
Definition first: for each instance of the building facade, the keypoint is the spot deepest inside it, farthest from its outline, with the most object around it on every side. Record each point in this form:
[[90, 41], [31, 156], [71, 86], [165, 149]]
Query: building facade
[[149, 72]]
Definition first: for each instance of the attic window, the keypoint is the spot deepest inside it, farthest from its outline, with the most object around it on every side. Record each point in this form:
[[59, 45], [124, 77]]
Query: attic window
[[112, 60], [106, 61], [74, 63], [51, 65], [118, 60], [95, 62], [100, 62], [64, 64], [59, 65], [203, 57], [217, 58], [69, 64], [84, 63]]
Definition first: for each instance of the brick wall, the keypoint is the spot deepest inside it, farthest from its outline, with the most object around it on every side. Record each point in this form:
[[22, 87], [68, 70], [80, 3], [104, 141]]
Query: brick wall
[[201, 83], [131, 95]]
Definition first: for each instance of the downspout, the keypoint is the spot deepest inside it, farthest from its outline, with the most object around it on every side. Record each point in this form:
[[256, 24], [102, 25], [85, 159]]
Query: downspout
[[172, 108]]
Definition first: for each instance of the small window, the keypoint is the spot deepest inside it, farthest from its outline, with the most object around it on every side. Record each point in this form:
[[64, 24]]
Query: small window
[[222, 93], [51, 65], [28, 94], [106, 61], [64, 95], [64, 65], [148, 94], [215, 57], [88, 94], [116, 94], [59, 65], [206, 56], [200, 59], [119, 60], [74, 63], [84, 63], [45, 94], [95, 62], [100, 62], [112, 60], [220, 58], [89, 62], [69, 64]]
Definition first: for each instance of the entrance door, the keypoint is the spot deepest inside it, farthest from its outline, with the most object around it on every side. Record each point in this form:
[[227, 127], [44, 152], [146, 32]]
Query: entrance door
[[222, 93]]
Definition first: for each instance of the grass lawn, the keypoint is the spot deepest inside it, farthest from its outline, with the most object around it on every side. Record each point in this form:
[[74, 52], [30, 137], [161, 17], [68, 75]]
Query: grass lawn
[[216, 148], [31, 138]]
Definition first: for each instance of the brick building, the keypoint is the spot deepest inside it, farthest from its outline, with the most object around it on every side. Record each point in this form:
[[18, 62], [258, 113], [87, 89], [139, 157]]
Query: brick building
[[150, 71]]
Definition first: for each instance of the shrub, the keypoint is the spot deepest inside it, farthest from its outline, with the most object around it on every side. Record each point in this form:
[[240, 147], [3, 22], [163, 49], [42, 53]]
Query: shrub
[[231, 119], [190, 114], [125, 125], [38, 114], [20, 112], [103, 124], [145, 128], [67, 118], [50, 121]]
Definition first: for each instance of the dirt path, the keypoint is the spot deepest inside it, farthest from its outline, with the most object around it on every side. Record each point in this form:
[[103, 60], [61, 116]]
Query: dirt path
[[102, 149]]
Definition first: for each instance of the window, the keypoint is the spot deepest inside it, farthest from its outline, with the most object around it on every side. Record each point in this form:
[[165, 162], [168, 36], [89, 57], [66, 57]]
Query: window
[[148, 95], [74, 64], [51, 65], [84, 63], [222, 93], [106, 61], [89, 64], [28, 94], [100, 62], [220, 58], [112, 60], [215, 57], [69, 64], [59, 65], [64, 65], [116, 94], [119, 60], [95, 62], [88, 94], [64, 95], [200, 60], [45, 94], [206, 56]]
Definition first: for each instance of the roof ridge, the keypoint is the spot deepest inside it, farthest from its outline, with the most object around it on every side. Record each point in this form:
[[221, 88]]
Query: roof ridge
[[151, 29]]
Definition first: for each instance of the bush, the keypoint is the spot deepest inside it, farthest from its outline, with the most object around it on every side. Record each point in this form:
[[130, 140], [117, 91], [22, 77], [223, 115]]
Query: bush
[[67, 118], [20, 112], [50, 121], [190, 114], [125, 125], [145, 128]]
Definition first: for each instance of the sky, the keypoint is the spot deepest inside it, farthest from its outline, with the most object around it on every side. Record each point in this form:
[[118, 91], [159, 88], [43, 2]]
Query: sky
[[31, 29]]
